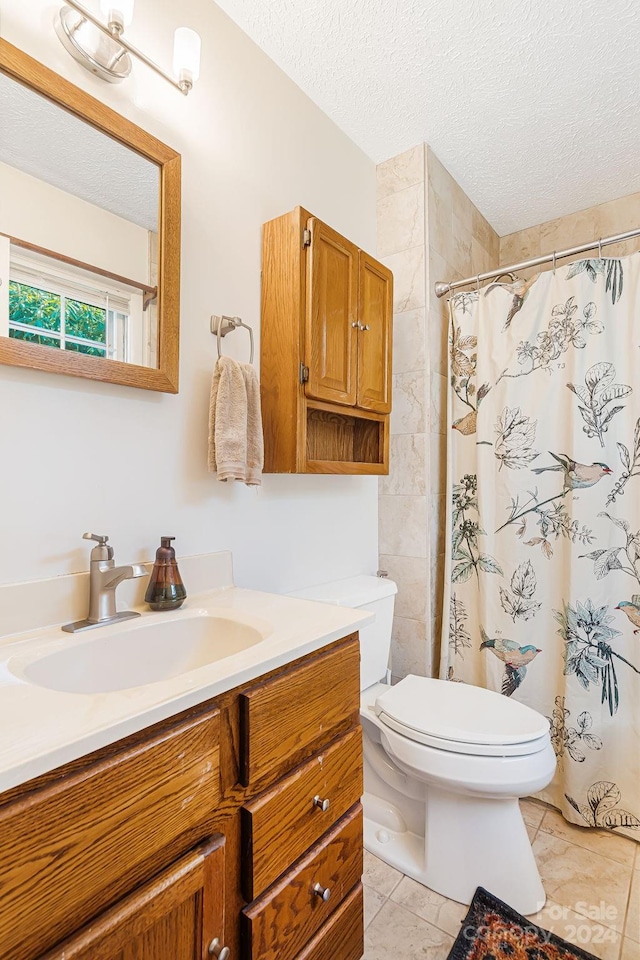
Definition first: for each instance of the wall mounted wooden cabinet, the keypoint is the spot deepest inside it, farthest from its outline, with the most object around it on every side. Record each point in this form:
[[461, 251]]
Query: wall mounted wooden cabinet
[[327, 310]]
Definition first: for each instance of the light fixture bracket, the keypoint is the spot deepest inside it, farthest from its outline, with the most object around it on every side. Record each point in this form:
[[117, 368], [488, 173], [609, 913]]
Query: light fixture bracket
[[99, 51]]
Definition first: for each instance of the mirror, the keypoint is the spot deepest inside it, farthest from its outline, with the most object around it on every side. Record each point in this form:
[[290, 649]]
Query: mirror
[[89, 234]]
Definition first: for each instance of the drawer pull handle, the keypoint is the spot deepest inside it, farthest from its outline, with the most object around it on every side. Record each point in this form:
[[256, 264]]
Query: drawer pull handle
[[320, 803], [323, 892], [215, 950]]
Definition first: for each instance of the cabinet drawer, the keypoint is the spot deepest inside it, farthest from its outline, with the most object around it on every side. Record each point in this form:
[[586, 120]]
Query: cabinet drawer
[[342, 935], [280, 825], [71, 848], [284, 720], [279, 924]]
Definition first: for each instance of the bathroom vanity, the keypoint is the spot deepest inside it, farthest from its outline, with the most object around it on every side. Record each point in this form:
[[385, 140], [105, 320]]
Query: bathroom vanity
[[230, 829]]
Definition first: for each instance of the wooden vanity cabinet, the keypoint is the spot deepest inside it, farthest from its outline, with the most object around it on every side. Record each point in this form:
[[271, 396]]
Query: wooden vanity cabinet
[[326, 340], [206, 831], [178, 915]]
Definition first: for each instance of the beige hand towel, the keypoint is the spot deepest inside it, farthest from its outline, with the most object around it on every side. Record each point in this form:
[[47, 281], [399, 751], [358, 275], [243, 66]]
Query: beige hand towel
[[255, 440], [235, 423]]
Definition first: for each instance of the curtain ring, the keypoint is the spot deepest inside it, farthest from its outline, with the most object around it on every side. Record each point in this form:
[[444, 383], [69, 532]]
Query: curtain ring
[[600, 248], [554, 263], [478, 281]]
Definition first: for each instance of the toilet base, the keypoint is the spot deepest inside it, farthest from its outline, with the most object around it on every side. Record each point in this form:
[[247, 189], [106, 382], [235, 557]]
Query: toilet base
[[468, 842]]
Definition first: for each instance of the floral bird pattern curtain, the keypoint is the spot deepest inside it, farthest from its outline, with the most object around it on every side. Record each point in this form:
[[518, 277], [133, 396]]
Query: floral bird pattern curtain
[[543, 557]]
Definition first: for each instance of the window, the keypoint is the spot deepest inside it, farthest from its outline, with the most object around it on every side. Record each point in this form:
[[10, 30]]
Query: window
[[56, 311]]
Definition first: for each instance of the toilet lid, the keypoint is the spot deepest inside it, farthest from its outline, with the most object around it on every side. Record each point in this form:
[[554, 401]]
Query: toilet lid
[[421, 707]]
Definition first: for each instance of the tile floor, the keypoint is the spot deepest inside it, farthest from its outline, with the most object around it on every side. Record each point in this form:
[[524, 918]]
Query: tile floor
[[591, 877]]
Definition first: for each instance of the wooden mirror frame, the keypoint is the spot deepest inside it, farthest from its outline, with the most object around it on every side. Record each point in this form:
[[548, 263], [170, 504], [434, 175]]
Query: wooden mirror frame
[[164, 378]]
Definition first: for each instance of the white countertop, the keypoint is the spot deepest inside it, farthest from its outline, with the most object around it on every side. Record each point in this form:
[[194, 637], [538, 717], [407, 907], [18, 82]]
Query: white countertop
[[41, 729]]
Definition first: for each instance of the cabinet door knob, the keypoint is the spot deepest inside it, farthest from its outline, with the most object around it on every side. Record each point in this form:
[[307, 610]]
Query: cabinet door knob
[[320, 803], [218, 951], [356, 323], [323, 892], [366, 327]]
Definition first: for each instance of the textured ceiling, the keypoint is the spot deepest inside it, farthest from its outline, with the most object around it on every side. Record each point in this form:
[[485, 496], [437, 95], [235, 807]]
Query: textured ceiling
[[41, 139], [532, 105]]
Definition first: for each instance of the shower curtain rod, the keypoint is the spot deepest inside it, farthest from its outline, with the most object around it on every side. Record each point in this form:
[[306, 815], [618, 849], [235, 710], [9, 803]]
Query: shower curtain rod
[[442, 288]]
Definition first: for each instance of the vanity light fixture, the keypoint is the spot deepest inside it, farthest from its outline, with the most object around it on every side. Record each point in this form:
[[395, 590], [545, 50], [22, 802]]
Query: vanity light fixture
[[102, 49]]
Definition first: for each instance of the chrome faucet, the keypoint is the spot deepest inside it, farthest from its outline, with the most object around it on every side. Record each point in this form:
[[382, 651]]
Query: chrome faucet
[[104, 577]]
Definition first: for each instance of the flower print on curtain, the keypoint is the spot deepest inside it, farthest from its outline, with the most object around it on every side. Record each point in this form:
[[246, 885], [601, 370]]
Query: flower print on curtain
[[543, 557]]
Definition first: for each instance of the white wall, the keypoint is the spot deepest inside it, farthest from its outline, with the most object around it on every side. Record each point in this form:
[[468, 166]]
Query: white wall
[[76, 455], [35, 211]]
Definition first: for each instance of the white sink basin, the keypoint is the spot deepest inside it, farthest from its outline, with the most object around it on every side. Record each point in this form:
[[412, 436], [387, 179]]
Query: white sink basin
[[143, 652]]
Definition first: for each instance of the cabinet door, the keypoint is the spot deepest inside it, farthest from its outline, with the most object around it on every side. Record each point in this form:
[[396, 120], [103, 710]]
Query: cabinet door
[[375, 313], [176, 916], [331, 322]]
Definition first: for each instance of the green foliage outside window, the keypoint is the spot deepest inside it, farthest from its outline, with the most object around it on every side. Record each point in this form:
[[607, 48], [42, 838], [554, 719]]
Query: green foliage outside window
[[42, 309]]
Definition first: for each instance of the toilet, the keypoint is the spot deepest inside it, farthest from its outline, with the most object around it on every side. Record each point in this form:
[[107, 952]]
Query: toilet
[[445, 765]]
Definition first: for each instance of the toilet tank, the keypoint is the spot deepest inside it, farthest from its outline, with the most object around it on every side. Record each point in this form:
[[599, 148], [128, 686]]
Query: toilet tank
[[375, 594]]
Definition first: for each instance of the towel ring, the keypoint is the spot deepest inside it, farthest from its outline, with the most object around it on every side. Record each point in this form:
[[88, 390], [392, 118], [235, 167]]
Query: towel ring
[[221, 326]]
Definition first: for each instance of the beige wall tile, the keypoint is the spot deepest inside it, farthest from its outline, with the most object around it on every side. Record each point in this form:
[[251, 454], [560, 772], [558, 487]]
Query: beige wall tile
[[520, 246], [438, 404], [618, 216], [407, 470], [438, 462], [460, 248], [402, 526], [438, 336], [439, 179], [622, 249], [412, 577], [629, 949], [568, 231], [409, 647], [409, 341], [408, 279], [400, 219], [408, 414], [439, 222], [484, 232], [437, 526], [481, 260], [438, 270], [604, 220], [401, 171]]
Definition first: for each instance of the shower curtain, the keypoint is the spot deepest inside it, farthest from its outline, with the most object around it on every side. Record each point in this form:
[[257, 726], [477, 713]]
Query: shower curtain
[[542, 581]]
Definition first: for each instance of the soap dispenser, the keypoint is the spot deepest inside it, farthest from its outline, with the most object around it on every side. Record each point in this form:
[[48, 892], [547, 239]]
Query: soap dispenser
[[166, 590]]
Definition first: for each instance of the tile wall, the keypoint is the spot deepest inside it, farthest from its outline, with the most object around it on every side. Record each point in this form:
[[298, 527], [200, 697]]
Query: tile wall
[[404, 494], [607, 219], [428, 229]]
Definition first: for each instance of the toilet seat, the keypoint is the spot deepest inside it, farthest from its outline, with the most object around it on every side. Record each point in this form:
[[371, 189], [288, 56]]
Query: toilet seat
[[461, 718]]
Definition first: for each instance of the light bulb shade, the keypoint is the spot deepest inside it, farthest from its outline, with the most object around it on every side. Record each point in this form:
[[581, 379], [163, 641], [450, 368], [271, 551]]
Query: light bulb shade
[[186, 55], [117, 11]]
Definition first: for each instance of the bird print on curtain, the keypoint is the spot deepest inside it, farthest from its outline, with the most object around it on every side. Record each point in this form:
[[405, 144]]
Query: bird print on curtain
[[543, 559]]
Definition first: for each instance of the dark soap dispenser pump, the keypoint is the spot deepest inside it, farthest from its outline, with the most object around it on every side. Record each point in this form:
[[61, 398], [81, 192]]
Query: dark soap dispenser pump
[[166, 590]]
